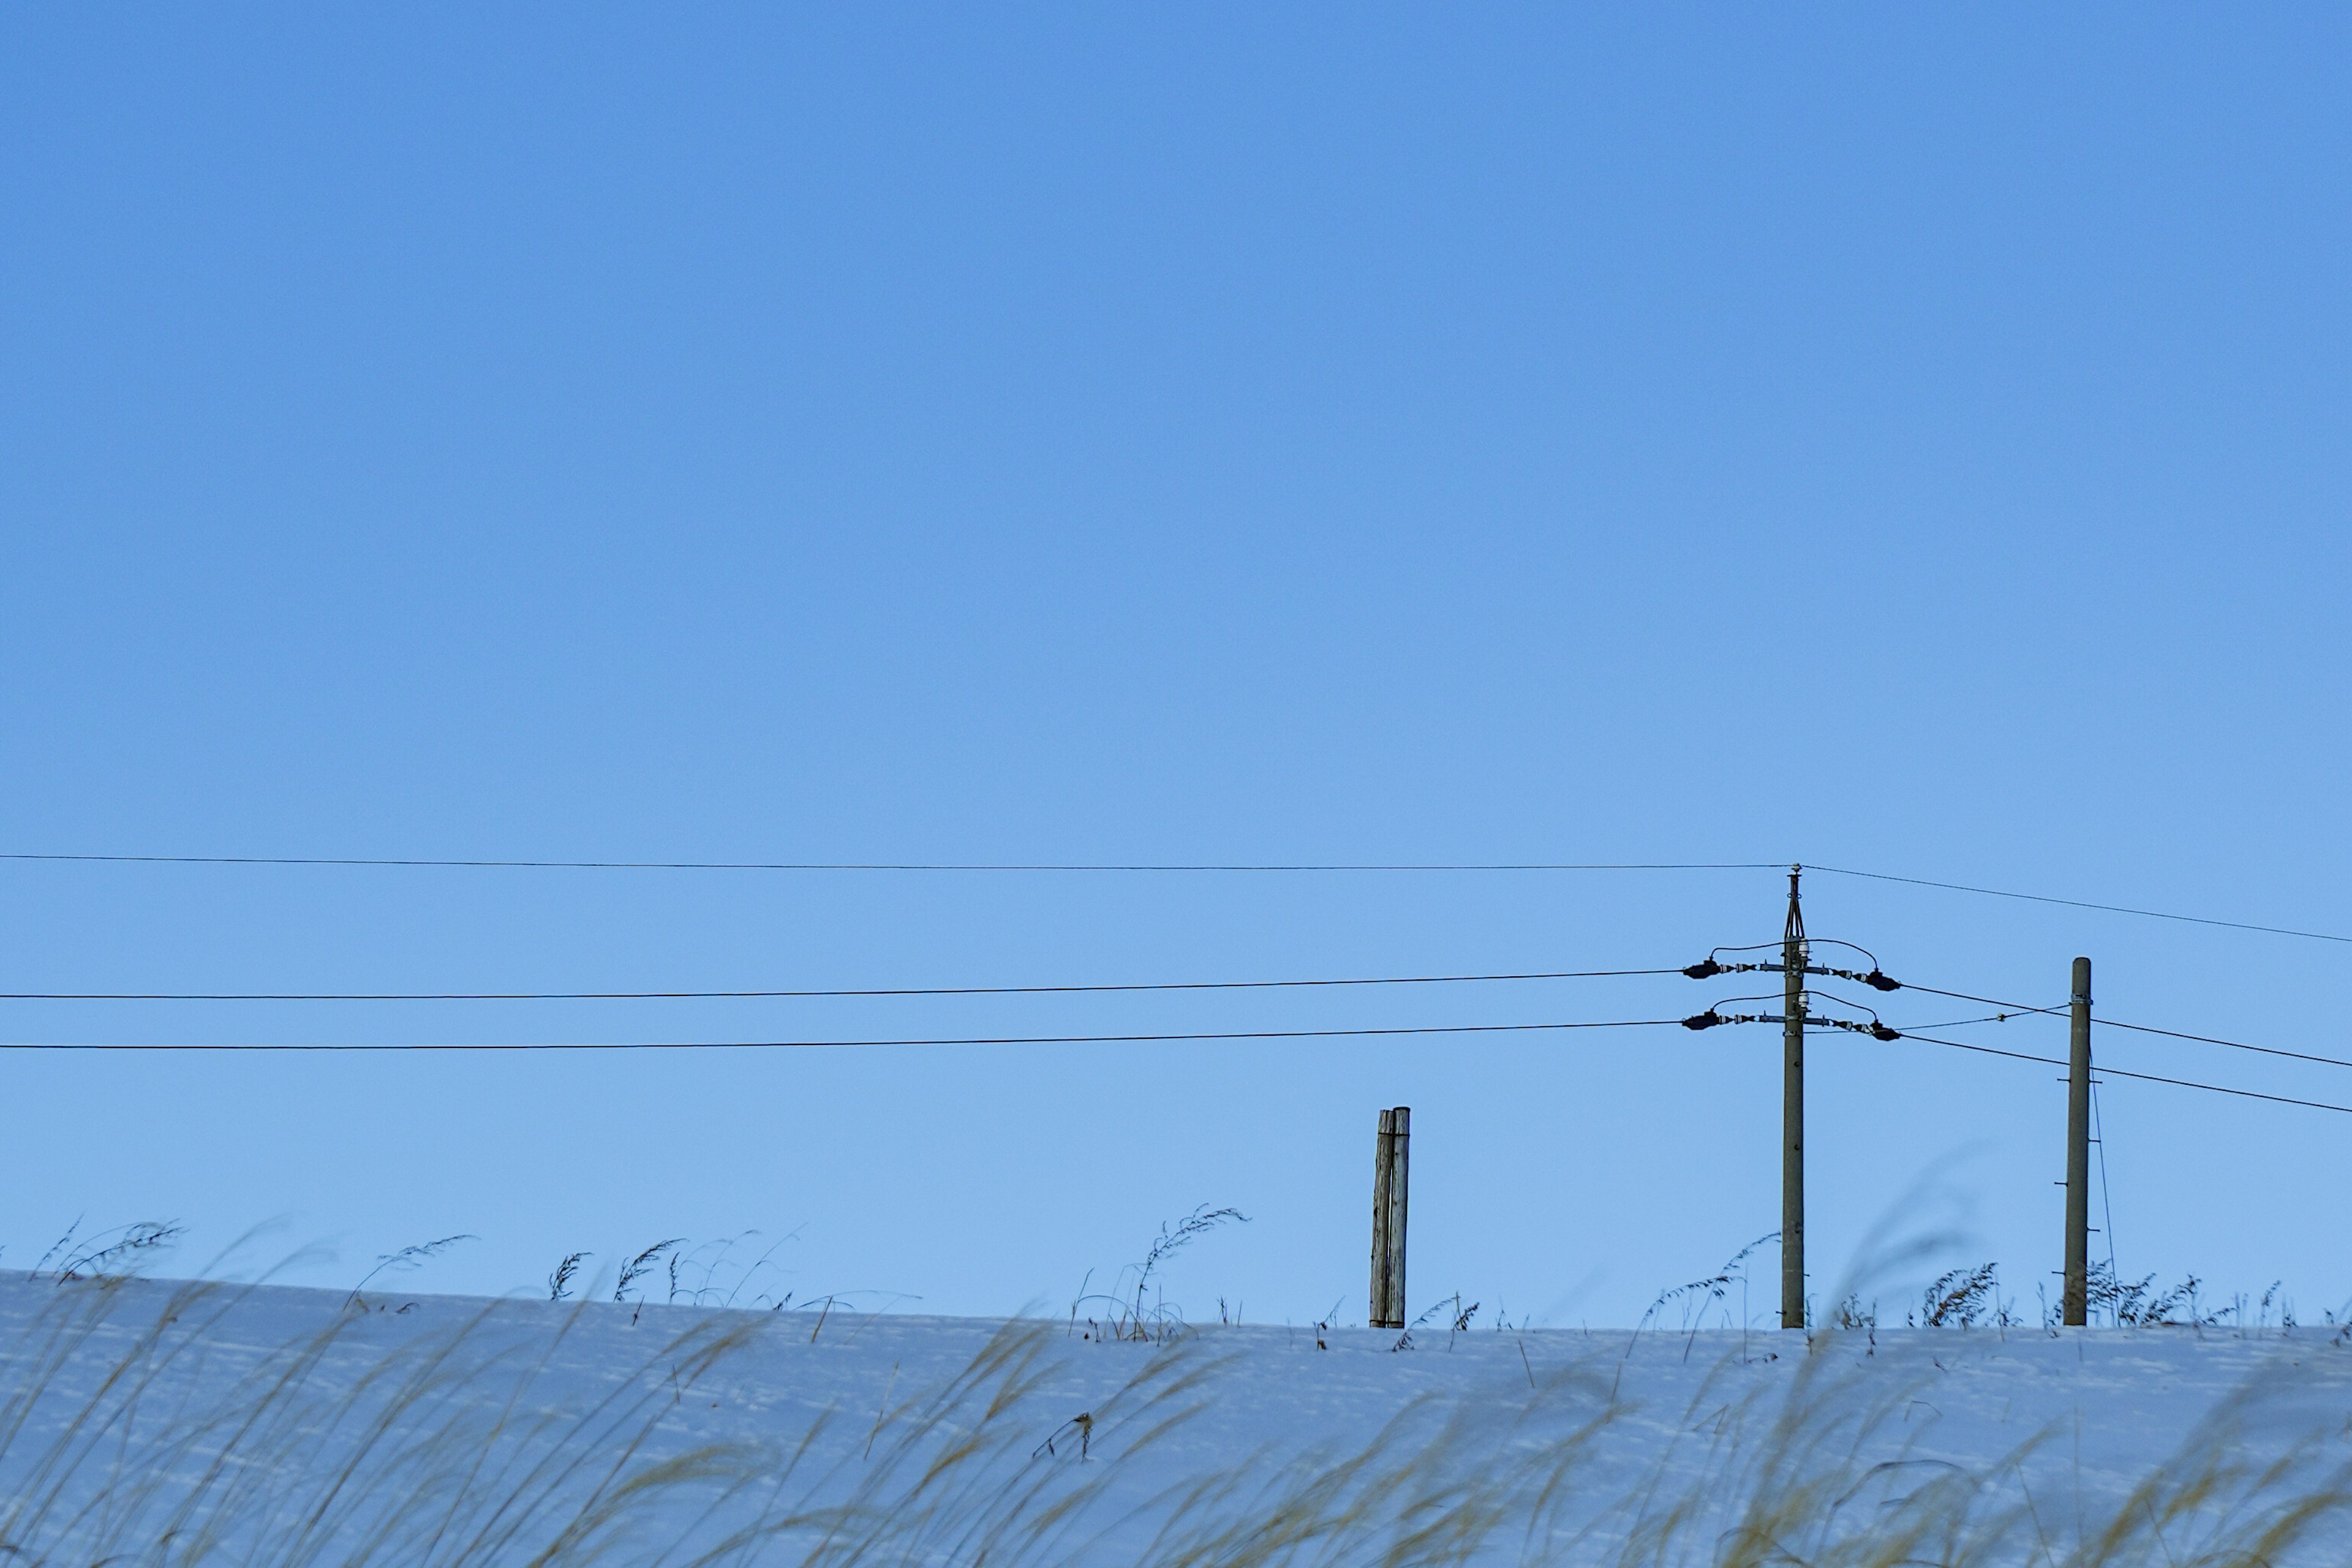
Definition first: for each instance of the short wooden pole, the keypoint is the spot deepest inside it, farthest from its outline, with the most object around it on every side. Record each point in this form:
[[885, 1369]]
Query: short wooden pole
[[1377, 1313], [1390, 1149], [1399, 1151]]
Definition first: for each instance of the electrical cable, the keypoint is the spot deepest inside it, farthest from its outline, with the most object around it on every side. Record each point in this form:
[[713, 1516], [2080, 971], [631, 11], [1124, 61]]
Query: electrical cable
[[1810, 941], [859, 866], [2140, 1028], [708, 995], [2233, 1045], [2014, 1008], [803, 1044], [357, 861], [1073, 1040], [2082, 904], [2142, 1076], [1964, 1023], [1988, 1001]]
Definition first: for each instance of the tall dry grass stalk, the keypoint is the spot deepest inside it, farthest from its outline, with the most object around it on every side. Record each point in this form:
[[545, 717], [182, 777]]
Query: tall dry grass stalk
[[1811, 1474], [137, 1434]]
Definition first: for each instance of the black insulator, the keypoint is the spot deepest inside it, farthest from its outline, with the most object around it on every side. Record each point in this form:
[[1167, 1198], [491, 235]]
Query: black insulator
[[1705, 969], [1880, 1032], [1878, 982], [1706, 1020]]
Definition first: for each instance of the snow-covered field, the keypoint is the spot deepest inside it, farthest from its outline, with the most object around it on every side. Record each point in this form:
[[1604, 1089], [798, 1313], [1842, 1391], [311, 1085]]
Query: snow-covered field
[[150, 1422]]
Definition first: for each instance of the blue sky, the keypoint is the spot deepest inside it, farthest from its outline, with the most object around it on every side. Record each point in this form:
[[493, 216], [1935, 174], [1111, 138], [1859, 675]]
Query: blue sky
[[1913, 443]]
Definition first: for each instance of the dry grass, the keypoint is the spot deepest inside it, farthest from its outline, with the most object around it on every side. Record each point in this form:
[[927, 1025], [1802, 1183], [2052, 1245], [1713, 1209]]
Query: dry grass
[[1787, 1477], [139, 1437]]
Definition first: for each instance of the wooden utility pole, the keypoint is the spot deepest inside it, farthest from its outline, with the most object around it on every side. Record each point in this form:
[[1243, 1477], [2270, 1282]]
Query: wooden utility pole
[[1794, 956], [2075, 1302], [1390, 1150]]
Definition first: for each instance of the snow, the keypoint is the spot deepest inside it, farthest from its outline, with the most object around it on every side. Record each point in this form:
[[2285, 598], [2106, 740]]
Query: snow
[[264, 1425]]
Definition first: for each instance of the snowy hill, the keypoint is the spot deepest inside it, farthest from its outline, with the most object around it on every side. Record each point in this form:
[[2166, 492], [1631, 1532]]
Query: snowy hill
[[169, 1423]]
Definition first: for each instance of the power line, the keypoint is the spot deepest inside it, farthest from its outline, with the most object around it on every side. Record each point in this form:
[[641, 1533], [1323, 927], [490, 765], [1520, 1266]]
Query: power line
[[1965, 1023], [1988, 1001], [2233, 1045], [2082, 904], [1110, 866], [865, 866], [313, 1047], [2142, 1076], [2013, 1008], [1066, 1041], [2142, 1028], [812, 1045], [708, 995]]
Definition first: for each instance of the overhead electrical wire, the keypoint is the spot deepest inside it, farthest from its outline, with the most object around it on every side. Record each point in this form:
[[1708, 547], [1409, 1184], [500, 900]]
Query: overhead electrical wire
[[870, 866], [877, 991], [2013, 1008], [2140, 1028], [2233, 1045], [2102, 1071], [1162, 986], [1705, 1019], [2080, 904], [487, 864], [314, 1047], [812, 1045], [1964, 1023], [1988, 1001]]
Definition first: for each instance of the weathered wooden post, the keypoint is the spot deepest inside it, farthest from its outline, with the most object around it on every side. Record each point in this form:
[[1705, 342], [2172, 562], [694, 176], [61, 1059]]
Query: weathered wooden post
[[1391, 1152]]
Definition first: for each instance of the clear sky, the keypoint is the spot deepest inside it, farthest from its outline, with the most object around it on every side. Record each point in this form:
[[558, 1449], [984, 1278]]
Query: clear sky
[[1910, 443]]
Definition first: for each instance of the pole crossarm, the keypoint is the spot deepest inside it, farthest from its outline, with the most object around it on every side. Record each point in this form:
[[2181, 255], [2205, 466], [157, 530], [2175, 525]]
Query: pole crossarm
[[1710, 1018], [1708, 967]]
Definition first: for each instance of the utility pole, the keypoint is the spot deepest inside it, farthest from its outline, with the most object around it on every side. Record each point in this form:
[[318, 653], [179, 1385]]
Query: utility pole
[[1392, 1150], [1794, 958], [1795, 1014], [2074, 1303]]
